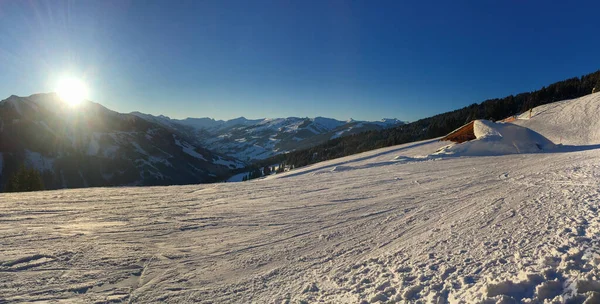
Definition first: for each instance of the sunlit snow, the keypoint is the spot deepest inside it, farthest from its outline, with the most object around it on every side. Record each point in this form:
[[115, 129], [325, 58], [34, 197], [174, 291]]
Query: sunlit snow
[[390, 225]]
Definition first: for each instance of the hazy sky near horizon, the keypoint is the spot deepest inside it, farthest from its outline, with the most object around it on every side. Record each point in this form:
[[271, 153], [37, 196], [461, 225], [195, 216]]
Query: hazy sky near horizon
[[360, 59]]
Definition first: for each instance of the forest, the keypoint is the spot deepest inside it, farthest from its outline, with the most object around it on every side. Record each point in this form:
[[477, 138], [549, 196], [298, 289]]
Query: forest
[[438, 125]]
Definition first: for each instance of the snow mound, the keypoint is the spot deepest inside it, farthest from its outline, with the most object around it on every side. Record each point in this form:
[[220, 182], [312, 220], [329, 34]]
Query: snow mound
[[498, 139]]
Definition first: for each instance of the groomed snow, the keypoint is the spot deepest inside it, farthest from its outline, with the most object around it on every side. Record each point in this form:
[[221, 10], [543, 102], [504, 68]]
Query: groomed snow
[[384, 226], [569, 122]]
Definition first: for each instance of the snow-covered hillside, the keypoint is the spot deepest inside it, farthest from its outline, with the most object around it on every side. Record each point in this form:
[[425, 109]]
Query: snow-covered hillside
[[385, 226], [570, 122], [91, 145], [250, 140]]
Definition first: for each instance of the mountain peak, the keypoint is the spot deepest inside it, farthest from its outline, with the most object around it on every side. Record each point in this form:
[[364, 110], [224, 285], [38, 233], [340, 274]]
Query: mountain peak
[[392, 121]]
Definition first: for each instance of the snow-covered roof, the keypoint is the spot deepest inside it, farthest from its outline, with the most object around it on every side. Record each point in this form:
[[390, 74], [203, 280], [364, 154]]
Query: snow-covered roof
[[490, 138]]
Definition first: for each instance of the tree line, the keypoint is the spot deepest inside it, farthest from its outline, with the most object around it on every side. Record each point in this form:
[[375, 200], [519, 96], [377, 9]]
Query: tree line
[[24, 180], [260, 171], [438, 125]]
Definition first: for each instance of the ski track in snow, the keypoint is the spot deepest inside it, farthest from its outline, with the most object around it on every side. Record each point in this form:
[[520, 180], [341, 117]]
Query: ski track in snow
[[384, 226], [457, 230]]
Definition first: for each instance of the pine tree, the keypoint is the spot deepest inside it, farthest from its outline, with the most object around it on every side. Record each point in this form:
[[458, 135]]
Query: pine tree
[[25, 180], [13, 183]]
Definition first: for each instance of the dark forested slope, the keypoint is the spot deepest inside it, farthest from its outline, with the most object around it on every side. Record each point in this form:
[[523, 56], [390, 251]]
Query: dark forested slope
[[441, 124]]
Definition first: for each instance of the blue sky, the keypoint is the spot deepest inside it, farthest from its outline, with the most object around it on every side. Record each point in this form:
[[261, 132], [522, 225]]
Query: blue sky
[[361, 59]]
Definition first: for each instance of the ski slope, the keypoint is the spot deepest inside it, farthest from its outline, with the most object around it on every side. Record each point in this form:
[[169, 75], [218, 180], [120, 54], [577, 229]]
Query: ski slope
[[392, 225], [569, 122]]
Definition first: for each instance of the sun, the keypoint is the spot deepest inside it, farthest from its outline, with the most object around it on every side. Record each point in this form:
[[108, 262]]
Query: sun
[[72, 91]]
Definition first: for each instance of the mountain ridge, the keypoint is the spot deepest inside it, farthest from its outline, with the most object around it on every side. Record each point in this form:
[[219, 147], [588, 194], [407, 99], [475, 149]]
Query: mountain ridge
[[91, 145], [209, 122], [254, 139]]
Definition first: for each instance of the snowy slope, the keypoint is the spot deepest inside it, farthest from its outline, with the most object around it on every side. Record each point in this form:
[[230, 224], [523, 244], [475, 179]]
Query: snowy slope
[[382, 226], [395, 225], [570, 122], [212, 124]]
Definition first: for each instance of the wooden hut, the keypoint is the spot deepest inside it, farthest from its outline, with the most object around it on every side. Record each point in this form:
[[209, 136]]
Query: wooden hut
[[509, 119], [462, 134]]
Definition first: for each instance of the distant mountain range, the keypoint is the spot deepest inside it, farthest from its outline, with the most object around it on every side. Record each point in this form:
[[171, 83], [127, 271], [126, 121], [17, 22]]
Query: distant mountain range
[[255, 139], [94, 146], [91, 146]]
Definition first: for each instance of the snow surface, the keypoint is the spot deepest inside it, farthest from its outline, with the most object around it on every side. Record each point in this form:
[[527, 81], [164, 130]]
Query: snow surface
[[569, 122], [328, 123], [188, 149], [210, 123], [38, 161], [383, 226], [238, 177], [499, 139]]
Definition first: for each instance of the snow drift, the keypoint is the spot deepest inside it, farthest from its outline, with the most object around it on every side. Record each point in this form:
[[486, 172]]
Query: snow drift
[[498, 139]]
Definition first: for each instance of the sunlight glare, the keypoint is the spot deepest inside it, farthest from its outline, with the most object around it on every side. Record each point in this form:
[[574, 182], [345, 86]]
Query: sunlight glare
[[72, 91]]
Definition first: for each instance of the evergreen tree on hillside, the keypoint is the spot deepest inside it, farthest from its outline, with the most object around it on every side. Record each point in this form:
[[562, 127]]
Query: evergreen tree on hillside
[[438, 125], [281, 168], [25, 179]]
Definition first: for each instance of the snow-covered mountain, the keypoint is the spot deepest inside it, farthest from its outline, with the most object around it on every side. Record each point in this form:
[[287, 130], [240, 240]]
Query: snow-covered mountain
[[402, 224], [254, 139], [90, 145]]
